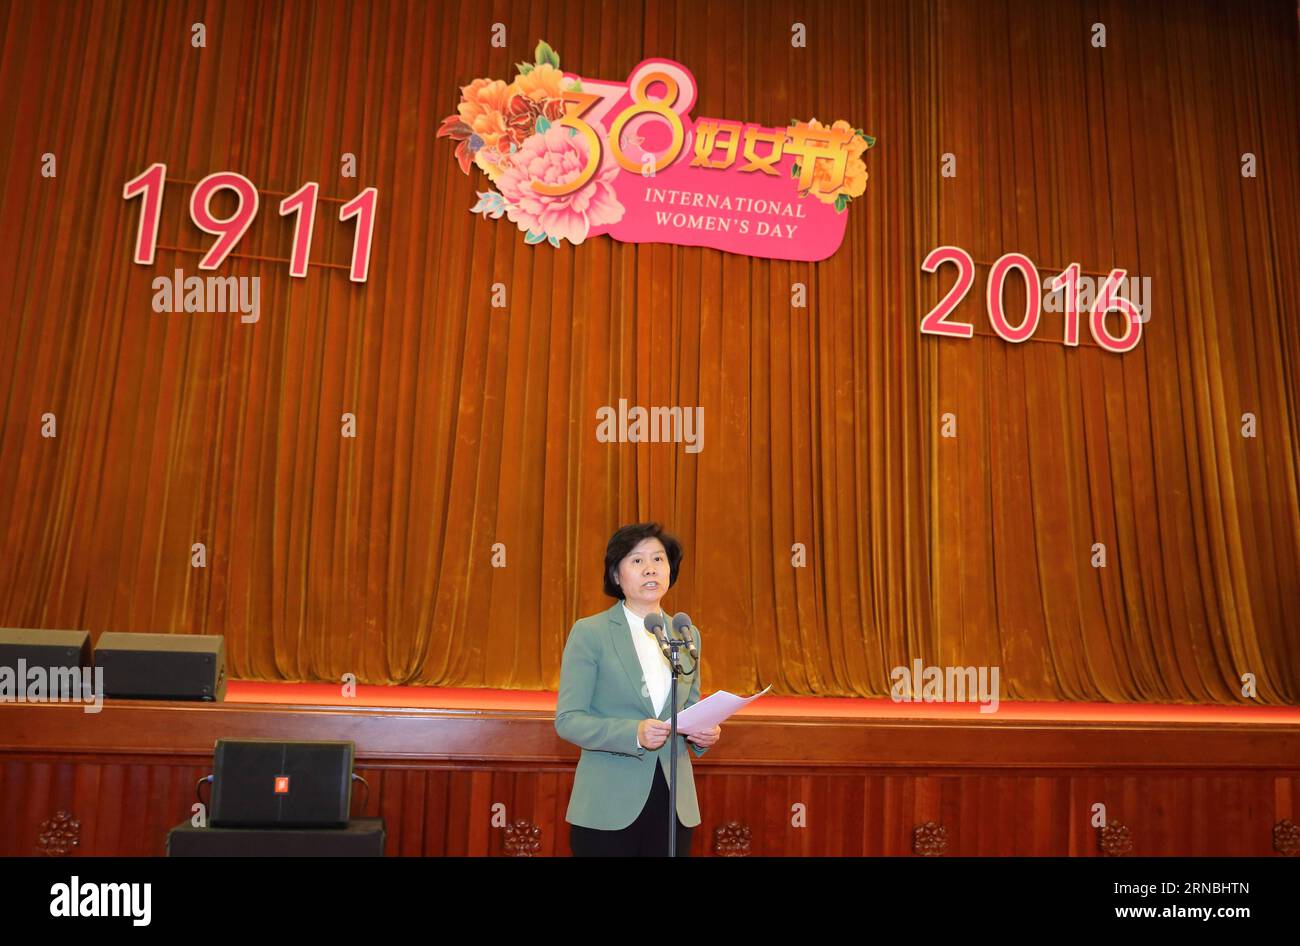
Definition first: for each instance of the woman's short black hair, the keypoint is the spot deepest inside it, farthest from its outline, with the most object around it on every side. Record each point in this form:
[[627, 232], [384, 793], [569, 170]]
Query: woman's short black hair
[[626, 539]]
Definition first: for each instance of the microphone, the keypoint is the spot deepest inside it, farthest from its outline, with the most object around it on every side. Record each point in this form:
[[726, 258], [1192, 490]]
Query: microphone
[[682, 628], [654, 623]]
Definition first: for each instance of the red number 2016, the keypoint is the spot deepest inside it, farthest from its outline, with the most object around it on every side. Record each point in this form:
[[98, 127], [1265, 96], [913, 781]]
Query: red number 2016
[[230, 230], [1108, 300]]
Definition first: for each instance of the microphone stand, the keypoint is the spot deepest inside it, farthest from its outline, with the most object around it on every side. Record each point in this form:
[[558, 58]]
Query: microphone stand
[[673, 642]]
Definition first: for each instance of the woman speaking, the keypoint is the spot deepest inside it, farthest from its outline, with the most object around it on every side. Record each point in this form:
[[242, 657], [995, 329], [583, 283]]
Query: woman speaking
[[613, 703]]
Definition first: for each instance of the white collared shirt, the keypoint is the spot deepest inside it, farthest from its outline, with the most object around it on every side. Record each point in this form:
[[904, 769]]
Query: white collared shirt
[[654, 665]]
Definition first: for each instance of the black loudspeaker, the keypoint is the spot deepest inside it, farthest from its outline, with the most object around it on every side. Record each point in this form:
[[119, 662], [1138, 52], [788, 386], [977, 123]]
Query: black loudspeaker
[[162, 666], [60, 655], [264, 783]]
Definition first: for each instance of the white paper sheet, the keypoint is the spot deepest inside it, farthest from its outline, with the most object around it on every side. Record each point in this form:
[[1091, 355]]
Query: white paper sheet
[[712, 710]]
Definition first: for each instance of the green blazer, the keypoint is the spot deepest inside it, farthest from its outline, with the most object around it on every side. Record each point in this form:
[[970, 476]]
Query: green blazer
[[603, 697]]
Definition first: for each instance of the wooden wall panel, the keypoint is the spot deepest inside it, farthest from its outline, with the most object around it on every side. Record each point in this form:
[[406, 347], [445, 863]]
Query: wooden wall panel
[[865, 787]]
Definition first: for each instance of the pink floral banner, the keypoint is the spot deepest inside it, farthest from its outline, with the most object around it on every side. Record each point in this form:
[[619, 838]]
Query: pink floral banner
[[570, 158]]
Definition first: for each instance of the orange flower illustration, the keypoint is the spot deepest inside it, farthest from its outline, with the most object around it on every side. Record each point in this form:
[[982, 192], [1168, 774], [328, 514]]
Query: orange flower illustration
[[494, 119], [855, 169], [854, 183], [542, 84], [482, 107]]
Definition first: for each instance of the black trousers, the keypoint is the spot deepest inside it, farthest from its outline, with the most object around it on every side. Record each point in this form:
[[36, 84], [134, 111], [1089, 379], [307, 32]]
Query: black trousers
[[647, 836]]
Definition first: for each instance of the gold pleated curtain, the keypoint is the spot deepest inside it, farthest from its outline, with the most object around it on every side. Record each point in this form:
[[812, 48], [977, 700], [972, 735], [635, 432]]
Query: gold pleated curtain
[[824, 425]]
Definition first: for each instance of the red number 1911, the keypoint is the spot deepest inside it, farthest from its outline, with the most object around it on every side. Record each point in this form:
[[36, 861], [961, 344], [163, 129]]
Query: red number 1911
[[230, 230]]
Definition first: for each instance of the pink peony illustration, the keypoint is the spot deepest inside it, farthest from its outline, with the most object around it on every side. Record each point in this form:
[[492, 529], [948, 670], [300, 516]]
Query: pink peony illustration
[[554, 157]]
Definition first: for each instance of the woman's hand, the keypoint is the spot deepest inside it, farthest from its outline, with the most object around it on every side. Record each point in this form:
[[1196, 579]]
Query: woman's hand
[[706, 737], [652, 733]]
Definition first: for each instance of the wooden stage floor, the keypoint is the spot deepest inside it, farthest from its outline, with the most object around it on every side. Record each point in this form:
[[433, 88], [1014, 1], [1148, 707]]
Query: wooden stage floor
[[328, 694]]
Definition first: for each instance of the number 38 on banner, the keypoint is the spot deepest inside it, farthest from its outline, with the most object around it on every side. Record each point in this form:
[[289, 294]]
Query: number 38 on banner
[[230, 230], [1108, 300]]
